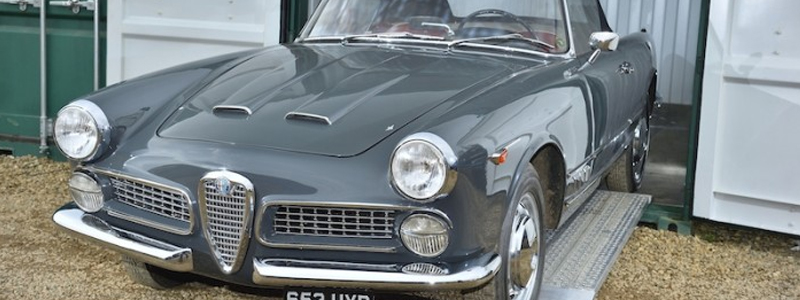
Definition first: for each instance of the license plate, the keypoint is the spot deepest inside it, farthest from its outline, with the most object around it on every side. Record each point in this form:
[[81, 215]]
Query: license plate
[[325, 294]]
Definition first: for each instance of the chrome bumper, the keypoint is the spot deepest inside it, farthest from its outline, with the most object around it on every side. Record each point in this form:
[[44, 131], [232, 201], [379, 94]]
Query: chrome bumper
[[150, 251], [268, 274]]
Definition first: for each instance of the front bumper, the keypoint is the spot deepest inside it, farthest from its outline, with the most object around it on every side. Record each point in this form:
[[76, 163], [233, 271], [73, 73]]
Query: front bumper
[[150, 251], [270, 272]]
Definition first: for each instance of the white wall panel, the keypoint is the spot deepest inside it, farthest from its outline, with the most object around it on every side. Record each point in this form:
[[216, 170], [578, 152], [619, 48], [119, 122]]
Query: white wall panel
[[748, 143], [673, 24], [149, 35]]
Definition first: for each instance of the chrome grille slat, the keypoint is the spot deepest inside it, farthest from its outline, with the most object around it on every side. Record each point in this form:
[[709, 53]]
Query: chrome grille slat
[[334, 222], [151, 198], [226, 217]]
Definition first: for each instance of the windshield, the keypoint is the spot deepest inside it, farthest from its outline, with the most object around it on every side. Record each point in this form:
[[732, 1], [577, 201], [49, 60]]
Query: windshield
[[536, 25]]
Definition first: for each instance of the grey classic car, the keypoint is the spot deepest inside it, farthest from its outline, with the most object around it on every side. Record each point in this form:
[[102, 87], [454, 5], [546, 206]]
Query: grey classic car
[[397, 146]]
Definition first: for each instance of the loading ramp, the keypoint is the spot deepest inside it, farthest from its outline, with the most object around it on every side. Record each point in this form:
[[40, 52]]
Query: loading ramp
[[582, 252]]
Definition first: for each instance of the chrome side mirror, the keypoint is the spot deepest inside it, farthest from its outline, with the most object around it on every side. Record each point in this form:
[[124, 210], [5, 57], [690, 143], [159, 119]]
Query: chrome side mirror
[[599, 41], [604, 41]]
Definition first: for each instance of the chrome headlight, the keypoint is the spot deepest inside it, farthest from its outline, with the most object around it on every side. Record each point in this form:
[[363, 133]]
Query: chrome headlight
[[81, 130], [425, 235], [86, 192], [422, 167]]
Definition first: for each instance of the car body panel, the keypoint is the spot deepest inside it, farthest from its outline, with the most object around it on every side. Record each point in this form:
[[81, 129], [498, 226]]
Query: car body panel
[[361, 91]]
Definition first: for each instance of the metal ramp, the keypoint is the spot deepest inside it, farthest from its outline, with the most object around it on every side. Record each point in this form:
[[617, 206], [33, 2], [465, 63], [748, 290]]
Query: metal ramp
[[582, 252]]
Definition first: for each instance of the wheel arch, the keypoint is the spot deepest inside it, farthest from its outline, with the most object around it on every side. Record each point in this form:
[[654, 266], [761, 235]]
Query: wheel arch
[[546, 156]]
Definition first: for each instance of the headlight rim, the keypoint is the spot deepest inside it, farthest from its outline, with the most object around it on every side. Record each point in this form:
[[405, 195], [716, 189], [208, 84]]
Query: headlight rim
[[101, 123], [447, 153]]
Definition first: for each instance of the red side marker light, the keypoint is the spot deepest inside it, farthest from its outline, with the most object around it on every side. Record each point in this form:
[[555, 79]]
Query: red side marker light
[[500, 157]]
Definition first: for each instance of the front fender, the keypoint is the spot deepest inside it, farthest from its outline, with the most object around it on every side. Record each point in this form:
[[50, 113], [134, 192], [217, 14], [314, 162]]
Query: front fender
[[141, 102]]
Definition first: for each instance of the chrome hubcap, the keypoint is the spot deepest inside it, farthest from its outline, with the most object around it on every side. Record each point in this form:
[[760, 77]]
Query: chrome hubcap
[[641, 145], [523, 263]]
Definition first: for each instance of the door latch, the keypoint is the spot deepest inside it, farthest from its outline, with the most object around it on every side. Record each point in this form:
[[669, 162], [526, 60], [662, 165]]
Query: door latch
[[23, 4], [75, 5]]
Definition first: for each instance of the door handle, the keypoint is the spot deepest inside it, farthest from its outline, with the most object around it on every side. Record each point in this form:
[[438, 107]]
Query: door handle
[[23, 4], [626, 68], [75, 5]]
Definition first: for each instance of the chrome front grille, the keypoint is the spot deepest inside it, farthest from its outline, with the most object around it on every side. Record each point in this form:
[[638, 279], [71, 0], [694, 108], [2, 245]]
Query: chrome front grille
[[226, 204], [151, 197], [334, 222]]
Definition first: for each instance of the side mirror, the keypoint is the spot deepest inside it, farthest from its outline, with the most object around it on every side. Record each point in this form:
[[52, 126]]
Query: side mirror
[[604, 41], [599, 41]]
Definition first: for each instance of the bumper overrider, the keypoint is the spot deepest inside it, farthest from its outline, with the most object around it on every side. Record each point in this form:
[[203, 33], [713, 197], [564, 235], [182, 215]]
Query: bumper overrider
[[270, 272]]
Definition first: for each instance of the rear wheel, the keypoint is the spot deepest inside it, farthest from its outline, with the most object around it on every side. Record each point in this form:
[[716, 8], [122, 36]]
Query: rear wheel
[[151, 276], [522, 245], [628, 171]]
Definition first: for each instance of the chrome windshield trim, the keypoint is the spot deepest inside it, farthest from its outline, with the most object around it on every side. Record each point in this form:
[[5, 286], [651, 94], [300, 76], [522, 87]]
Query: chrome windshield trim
[[90, 228], [142, 221], [267, 273], [449, 46]]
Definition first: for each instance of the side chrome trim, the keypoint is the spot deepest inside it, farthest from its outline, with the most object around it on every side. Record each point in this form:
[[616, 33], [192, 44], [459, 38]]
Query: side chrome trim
[[150, 251], [333, 247], [267, 273], [142, 221]]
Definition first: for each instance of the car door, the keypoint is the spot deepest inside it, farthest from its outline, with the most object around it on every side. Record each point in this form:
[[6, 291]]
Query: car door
[[608, 85]]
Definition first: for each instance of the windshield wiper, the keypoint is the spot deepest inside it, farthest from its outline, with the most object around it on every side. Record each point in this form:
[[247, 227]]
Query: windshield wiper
[[502, 38], [355, 37]]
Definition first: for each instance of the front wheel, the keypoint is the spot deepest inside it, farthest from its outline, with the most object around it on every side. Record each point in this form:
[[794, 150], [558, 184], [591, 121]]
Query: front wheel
[[628, 171], [521, 245]]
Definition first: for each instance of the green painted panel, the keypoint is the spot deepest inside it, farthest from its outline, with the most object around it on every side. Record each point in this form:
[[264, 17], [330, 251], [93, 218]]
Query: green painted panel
[[69, 66]]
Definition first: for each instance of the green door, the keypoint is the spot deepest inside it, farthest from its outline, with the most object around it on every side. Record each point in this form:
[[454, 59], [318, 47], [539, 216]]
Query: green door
[[69, 67]]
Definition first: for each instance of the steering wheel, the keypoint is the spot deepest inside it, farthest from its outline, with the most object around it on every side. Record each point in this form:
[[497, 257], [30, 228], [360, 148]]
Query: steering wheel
[[500, 12]]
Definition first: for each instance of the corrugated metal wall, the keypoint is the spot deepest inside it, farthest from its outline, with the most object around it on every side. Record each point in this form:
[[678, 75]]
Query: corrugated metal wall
[[673, 24]]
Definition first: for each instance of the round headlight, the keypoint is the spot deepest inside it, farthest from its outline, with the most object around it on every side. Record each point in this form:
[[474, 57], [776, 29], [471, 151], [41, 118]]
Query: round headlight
[[421, 170], [80, 129], [86, 192], [425, 235]]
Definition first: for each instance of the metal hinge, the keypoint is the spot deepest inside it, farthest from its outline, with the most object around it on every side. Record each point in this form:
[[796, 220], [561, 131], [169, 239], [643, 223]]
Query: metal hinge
[[75, 5], [23, 4]]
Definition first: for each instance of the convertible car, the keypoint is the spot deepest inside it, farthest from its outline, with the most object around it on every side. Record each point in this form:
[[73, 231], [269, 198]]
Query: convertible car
[[397, 146]]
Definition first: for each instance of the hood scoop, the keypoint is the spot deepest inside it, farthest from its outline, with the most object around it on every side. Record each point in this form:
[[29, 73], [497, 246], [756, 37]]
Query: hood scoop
[[301, 116], [230, 110]]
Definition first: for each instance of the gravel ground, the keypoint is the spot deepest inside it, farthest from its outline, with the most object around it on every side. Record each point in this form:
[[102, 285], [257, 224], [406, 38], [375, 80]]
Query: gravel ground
[[37, 261]]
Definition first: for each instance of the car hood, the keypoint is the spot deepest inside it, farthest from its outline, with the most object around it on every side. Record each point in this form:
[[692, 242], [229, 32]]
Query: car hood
[[326, 99]]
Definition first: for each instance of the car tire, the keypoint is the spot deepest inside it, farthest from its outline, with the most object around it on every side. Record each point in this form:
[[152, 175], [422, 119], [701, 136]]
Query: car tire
[[148, 275], [523, 259], [627, 172]]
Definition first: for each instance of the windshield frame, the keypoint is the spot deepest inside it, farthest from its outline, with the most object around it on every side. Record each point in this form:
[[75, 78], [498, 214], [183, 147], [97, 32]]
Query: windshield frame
[[570, 53]]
